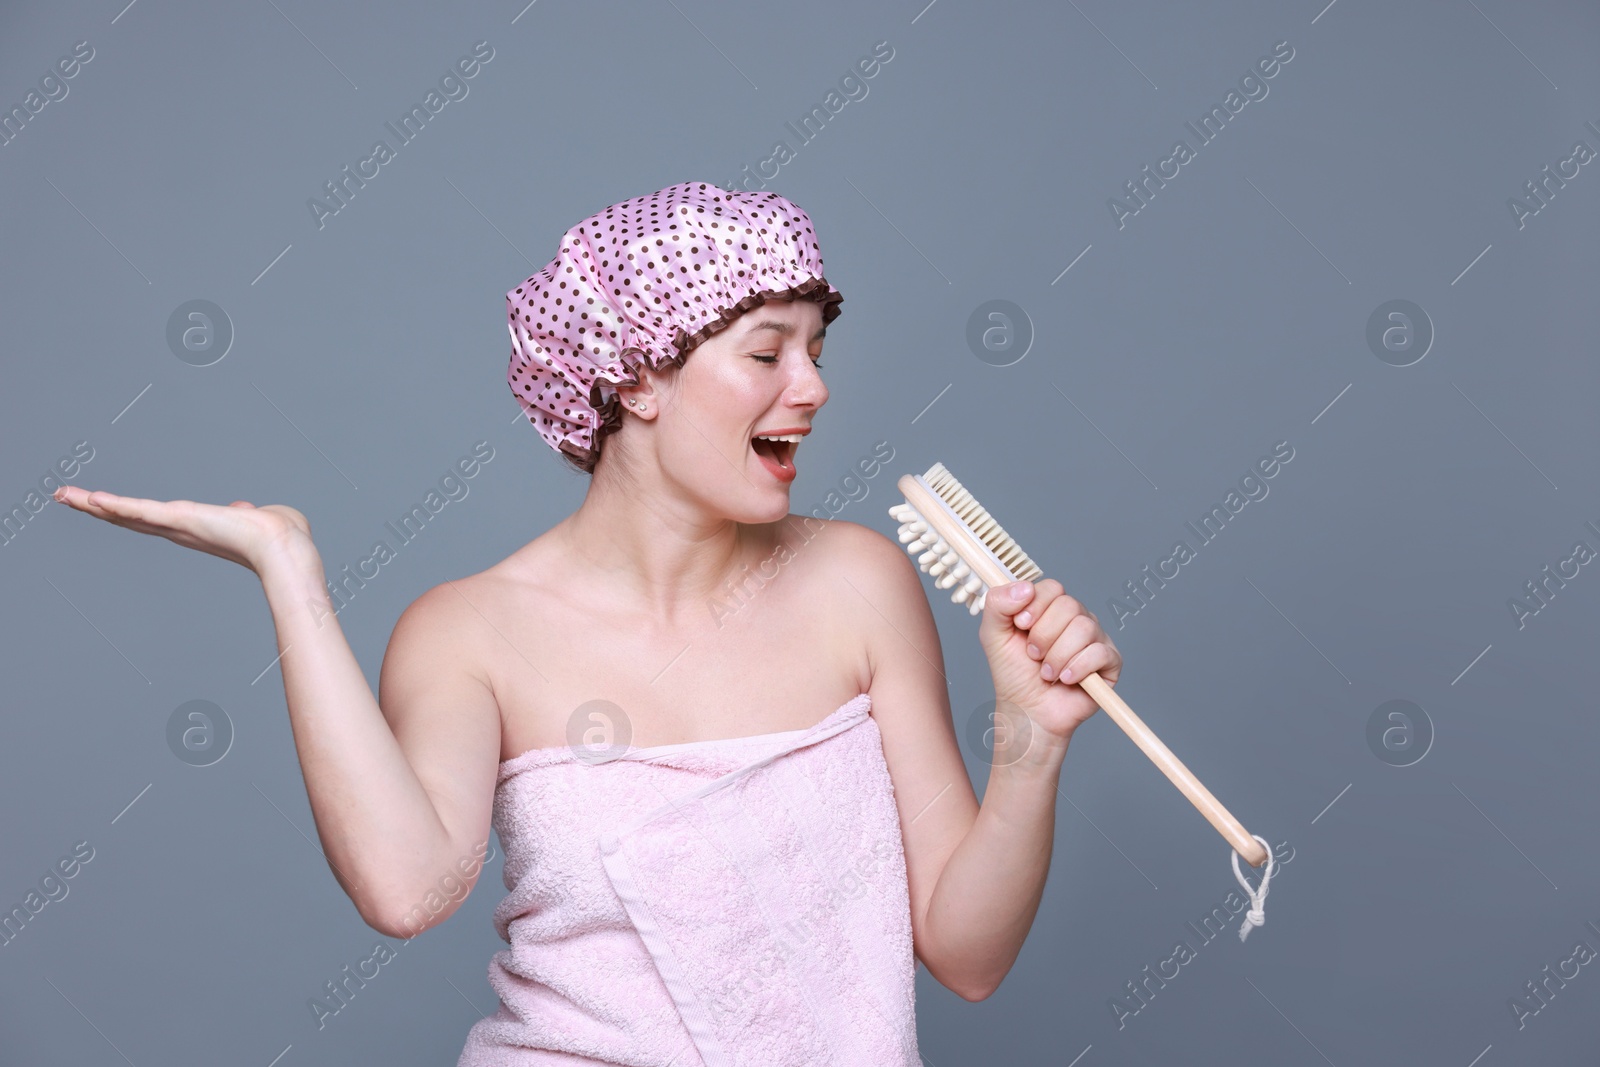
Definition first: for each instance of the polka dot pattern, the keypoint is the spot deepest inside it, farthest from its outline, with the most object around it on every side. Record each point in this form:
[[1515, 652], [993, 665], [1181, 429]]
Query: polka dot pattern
[[645, 281]]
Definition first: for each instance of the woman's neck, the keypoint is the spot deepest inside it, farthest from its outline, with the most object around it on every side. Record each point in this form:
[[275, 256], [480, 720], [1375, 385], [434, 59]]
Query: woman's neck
[[661, 552]]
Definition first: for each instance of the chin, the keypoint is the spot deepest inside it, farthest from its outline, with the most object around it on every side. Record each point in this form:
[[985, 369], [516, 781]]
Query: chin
[[754, 506], [772, 508]]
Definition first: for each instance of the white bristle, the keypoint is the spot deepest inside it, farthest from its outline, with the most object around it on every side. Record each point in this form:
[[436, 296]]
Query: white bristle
[[981, 523], [937, 558], [954, 574]]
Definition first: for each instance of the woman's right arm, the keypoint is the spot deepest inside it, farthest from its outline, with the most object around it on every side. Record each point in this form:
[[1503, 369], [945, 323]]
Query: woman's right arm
[[402, 794]]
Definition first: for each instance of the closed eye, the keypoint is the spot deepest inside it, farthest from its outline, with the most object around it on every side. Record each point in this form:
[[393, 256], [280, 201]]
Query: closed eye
[[817, 363]]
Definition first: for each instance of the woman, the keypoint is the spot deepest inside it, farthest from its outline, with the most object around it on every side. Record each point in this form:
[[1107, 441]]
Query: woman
[[739, 875]]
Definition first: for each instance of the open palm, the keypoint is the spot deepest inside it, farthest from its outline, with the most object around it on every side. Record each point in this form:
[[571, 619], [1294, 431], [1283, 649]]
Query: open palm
[[240, 532]]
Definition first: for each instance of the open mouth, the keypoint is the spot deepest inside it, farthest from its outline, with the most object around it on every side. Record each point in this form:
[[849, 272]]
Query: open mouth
[[777, 453]]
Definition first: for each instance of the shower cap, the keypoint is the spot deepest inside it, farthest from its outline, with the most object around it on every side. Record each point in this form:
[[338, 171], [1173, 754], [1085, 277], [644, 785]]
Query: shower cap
[[645, 281]]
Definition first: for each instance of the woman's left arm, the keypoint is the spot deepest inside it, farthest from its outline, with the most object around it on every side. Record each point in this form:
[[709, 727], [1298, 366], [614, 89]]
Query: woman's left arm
[[976, 873]]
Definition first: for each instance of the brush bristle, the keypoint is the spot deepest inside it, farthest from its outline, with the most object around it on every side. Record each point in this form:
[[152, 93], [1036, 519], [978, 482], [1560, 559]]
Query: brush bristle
[[935, 555], [981, 523]]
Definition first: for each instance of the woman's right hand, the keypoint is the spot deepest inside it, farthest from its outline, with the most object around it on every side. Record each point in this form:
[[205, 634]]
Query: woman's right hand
[[241, 532]]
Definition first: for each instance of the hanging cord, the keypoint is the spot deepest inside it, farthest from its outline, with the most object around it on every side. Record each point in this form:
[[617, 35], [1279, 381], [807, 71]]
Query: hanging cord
[[1256, 916]]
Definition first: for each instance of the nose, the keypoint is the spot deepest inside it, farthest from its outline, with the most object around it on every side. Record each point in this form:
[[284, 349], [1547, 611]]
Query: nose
[[806, 387]]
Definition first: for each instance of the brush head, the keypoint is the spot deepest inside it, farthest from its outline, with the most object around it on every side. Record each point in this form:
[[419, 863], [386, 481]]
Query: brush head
[[941, 552]]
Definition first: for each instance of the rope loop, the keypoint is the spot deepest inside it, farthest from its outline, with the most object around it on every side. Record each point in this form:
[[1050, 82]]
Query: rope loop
[[1257, 915]]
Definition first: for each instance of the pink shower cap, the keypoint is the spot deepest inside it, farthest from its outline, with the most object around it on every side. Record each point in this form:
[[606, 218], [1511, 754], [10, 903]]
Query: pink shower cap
[[647, 280]]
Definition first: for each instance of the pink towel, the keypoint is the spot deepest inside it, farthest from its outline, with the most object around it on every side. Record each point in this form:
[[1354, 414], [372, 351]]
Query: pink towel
[[727, 903]]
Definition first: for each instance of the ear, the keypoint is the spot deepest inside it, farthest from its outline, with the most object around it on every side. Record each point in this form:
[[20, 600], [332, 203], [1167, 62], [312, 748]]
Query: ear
[[657, 388], [645, 398], [635, 400]]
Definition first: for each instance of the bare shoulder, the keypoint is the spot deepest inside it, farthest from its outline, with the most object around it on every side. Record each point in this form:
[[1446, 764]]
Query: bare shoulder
[[846, 542], [436, 629], [433, 669], [875, 566], [875, 597], [453, 619]]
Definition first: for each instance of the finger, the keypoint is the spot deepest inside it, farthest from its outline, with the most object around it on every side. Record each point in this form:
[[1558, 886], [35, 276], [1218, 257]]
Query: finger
[[131, 508], [1051, 624], [1045, 592], [1079, 632], [1011, 598], [159, 517], [71, 495], [1097, 656], [1000, 606], [1112, 670], [96, 502]]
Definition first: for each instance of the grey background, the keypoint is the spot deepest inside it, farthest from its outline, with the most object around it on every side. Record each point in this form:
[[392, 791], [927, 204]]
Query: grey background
[[1226, 316]]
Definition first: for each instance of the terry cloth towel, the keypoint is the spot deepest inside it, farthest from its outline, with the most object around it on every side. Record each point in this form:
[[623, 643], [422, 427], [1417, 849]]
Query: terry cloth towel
[[728, 903]]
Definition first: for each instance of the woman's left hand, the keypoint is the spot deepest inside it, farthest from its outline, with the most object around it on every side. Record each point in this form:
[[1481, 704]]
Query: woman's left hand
[[1038, 639]]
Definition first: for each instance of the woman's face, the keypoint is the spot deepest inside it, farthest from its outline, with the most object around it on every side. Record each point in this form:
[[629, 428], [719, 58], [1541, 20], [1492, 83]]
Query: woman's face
[[758, 376]]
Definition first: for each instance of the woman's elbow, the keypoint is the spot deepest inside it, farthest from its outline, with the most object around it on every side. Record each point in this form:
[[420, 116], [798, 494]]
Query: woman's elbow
[[968, 987], [975, 993], [406, 923]]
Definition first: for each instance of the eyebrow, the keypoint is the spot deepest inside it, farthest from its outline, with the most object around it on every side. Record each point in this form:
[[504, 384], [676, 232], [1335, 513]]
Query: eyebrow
[[785, 329]]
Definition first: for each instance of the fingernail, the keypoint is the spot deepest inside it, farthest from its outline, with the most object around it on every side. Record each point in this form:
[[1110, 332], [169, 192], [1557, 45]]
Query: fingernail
[[1020, 589], [1033, 650], [1047, 672], [1024, 618], [1066, 675]]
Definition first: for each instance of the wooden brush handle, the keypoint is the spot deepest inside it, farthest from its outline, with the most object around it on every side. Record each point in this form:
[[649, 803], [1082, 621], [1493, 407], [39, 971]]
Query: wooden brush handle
[[977, 556], [1218, 816]]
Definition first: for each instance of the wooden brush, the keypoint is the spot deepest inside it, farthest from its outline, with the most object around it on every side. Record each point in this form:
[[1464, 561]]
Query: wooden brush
[[957, 542]]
